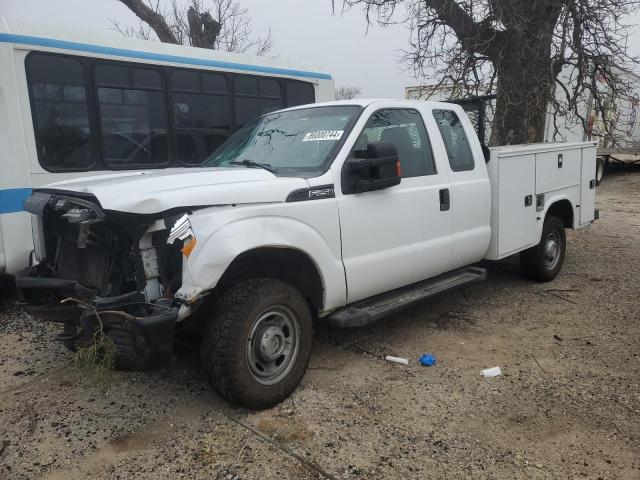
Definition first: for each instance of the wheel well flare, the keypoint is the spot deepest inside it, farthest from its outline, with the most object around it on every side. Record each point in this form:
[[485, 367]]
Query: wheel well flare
[[563, 210], [286, 264]]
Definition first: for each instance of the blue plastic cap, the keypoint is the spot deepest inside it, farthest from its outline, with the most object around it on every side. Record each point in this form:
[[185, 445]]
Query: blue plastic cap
[[428, 360]]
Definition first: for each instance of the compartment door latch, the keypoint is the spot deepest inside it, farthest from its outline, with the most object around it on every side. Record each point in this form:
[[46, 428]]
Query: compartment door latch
[[528, 200]]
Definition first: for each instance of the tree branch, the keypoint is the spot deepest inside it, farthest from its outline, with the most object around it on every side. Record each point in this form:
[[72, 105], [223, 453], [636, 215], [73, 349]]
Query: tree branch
[[153, 19], [475, 37], [204, 29]]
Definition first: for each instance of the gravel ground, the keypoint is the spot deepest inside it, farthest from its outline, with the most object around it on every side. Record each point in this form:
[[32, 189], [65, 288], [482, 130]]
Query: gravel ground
[[566, 406]]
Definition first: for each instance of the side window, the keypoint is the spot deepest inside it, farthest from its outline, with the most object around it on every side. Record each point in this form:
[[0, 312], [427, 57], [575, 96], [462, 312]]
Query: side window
[[133, 116], [61, 114], [202, 113], [300, 93], [455, 140], [254, 97], [405, 129]]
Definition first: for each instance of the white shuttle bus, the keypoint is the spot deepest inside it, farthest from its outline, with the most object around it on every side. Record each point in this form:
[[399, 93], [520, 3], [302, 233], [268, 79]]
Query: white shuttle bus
[[75, 104]]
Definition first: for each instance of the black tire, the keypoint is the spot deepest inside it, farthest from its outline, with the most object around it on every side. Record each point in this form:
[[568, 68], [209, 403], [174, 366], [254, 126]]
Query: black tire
[[601, 166], [70, 330], [232, 361], [535, 262]]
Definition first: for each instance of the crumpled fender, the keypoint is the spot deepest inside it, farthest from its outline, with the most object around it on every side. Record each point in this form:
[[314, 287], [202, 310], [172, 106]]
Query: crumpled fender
[[219, 243]]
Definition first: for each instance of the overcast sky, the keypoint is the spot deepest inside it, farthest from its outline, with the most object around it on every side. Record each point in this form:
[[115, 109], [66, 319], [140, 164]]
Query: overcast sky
[[304, 30]]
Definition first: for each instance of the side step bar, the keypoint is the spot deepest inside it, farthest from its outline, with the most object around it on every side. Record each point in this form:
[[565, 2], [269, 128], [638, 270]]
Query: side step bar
[[374, 308]]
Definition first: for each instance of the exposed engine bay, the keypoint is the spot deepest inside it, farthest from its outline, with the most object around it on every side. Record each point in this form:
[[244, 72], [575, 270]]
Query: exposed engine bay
[[113, 271]]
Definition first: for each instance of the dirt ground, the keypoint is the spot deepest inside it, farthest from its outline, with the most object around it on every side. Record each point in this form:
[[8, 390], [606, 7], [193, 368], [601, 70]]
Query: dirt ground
[[566, 406]]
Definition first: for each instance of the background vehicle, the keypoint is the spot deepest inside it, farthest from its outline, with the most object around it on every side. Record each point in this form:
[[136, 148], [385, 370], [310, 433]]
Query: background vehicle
[[74, 104], [346, 211]]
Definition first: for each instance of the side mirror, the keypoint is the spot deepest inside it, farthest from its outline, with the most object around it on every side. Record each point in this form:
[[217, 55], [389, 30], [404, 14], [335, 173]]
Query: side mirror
[[381, 169]]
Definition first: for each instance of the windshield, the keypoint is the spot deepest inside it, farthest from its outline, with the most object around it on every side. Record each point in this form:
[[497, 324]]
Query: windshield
[[296, 142]]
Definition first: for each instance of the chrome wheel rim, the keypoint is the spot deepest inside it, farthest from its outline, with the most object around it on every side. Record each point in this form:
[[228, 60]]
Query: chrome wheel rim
[[273, 343], [552, 249]]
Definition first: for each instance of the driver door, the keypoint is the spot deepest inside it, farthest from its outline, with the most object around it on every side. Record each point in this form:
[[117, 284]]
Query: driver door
[[402, 234]]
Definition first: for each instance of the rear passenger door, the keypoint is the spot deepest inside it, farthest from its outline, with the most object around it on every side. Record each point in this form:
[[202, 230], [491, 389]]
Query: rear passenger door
[[470, 190], [399, 235]]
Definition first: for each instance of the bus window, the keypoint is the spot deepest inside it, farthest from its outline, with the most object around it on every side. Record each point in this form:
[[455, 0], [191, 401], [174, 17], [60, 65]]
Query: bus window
[[255, 97], [60, 112], [133, 117], [212, 83], [243, 85], [202, 119], [270, 88], [185, 80], [122, 120], [300, 93], [248, 108]]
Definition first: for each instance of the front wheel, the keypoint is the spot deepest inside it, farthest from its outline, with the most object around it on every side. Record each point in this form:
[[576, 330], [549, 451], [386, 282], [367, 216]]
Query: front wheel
[[257, 346], [543, 262]]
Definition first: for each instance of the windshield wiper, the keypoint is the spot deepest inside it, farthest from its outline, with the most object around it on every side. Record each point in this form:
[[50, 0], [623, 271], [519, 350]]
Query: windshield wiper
[[252, 164]]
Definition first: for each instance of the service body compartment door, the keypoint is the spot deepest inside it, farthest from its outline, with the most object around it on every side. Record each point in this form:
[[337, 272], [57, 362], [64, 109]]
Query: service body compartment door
[[517, 221], [558, 169], [587, 185]]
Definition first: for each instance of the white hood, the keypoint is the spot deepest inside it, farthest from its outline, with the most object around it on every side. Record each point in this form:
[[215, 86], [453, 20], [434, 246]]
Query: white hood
[[154, 191]]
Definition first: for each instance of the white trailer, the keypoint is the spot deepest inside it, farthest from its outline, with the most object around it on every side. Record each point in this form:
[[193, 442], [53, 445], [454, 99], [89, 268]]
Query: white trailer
[[620, 145]]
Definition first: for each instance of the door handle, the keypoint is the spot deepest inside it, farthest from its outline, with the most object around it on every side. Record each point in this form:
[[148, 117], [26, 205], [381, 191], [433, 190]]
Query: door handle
[[445, 200]]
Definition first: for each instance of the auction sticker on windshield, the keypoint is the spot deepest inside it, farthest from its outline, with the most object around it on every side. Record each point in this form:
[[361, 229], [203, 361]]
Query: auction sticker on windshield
[[323, 135]]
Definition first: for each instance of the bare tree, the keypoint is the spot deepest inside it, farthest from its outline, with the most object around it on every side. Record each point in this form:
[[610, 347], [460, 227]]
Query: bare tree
[[226, 25], [347, 93], [524, 50]]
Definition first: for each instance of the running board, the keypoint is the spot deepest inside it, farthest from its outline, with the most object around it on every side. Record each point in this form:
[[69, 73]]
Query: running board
[[374, 308]]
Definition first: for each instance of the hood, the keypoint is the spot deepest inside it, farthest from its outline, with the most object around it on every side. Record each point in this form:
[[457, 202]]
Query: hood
[[155, 191]]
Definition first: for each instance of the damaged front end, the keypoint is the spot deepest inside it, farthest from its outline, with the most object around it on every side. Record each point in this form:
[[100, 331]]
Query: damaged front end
[[106, 273]]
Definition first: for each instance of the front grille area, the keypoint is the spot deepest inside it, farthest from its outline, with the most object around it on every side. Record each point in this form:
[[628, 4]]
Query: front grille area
[[101, 251], [88, 266], [83, 246]]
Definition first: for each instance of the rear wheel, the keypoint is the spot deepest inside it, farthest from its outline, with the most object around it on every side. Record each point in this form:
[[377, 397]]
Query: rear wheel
[[257, 346], [600, 168], [544, 261]]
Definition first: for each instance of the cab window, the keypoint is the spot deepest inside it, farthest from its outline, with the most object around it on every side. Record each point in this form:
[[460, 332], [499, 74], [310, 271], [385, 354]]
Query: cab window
[[455, 140], [405, 129]]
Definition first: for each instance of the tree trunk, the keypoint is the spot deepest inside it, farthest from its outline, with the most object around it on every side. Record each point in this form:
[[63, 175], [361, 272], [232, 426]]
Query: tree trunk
[[525, 85], [203, 28], [523, 94], [152, 18]]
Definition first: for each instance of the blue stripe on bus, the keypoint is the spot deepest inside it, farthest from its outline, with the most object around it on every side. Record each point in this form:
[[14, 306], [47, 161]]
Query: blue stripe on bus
[[160, 57], [12, 199]]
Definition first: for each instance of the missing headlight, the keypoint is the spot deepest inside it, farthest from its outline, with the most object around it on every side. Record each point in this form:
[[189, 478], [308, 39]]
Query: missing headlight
[[182, 230]]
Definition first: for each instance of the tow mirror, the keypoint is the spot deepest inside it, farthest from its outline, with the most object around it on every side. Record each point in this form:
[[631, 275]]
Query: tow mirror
[[381, 169]]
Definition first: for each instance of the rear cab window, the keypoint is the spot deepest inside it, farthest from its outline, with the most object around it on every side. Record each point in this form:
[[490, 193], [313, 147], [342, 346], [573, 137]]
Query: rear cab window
[[455, 140]]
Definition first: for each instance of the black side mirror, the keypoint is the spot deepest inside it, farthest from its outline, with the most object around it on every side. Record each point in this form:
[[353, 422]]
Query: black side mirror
[[381, 169]]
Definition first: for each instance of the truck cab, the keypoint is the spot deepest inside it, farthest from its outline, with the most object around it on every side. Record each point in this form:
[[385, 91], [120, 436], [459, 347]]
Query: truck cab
[[342, 212]]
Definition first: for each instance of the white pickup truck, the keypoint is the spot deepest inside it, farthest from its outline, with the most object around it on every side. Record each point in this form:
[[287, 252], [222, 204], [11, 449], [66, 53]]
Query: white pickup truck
[[341, 212]]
